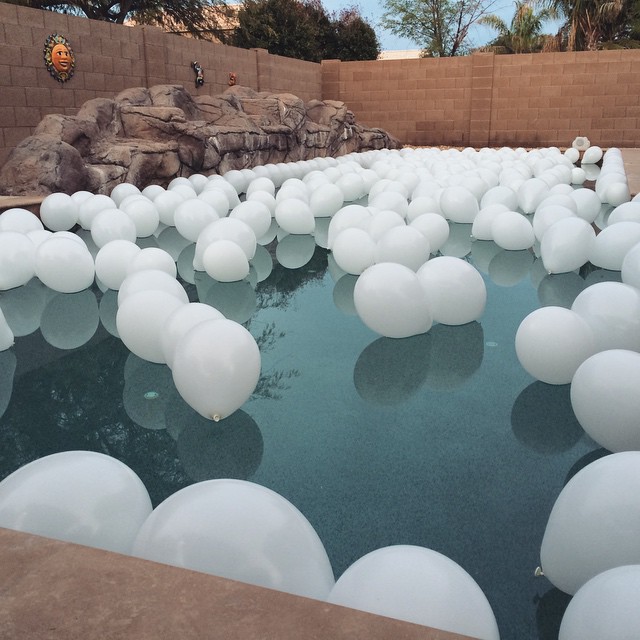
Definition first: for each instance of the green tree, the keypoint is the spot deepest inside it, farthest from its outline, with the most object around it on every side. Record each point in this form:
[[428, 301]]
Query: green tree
[[439, 27], [303, 29], [596, 24], [200, 18], [523, 35]]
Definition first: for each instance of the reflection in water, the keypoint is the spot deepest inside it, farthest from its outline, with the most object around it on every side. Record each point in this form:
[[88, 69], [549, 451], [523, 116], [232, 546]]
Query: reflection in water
[[108, 310], [321, 232], [560, 290], [185, 264], [262, 262], [587, 459], [148, 389], [549, 611], [231, 448], [7, 371], [459, 242], [69, 320], [390, 370], [23, 306], [173, 242], [537, 273], [456, 354], [235, 300], [602, 275], [294, 251], [507, 268], [483, 252], [343, 294], [543, 420], [335, 271]]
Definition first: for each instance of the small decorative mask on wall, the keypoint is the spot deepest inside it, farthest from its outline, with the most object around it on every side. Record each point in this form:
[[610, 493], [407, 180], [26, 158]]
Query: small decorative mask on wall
[[59, 58], [199, 73], [233, 78]]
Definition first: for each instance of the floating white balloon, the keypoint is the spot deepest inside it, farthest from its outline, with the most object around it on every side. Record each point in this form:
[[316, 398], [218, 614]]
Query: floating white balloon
[[238, 530], [417, 585], [594, 522], [19, 220], [59, 212], [64, 265], [567, 244], [17, 259], [225, 261], [78, 496]]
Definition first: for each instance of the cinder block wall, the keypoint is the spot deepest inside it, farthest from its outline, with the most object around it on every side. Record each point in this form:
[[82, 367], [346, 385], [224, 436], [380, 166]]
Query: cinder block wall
[[487, 100], [110, 58]]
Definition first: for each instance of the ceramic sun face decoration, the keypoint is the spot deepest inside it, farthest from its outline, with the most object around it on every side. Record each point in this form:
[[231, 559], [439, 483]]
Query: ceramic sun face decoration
[[59, 58]]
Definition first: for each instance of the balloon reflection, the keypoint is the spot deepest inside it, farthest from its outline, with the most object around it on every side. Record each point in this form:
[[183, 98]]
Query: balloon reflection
[[294, 250], [507, 268], [390, 370], [235, 300], [7, 370], [343, 294], [459, 242], [560, 290], [542, 418], [23, 306], [70, 319]]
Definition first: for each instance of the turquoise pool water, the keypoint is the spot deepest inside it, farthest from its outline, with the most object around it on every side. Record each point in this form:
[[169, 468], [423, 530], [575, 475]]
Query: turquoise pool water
[[441, 440]]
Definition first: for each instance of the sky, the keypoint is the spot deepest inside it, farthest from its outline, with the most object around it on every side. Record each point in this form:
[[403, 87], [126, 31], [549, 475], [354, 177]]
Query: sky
[[372, 10]]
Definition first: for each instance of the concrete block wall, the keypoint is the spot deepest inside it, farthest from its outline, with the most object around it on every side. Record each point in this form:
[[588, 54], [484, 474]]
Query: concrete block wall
[[110, 58], [528, 100]]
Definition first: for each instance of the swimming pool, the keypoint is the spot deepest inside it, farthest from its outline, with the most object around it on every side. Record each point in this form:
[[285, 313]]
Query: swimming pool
[[440, 440]]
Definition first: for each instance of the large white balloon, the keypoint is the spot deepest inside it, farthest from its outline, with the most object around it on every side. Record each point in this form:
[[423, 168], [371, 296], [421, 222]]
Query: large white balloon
[[512, 231], [238, 530], [354, 250], [112, 224], [184, 318], [612, 244], [6, 335], [112, 262], [59, 212], [552, 342], [78, 496], [152, 258], [216, 367], [64, 265], [255, 213], [143, 213], [605, 396], [225, 229], [140, 322], [612, 309], [458, 204], [405, 245], [17, 259], [605, 607], [594, 523], [192, 216], [455, 290], [19, 220], [225, 261], [566, 245], [434, 228], [149, 279], [630, 271], [391, 301], [353, 215], [295, 216], [417, 585]]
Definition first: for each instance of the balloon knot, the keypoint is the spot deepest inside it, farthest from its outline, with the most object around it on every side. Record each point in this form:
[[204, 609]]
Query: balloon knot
[[538, 572], [216, 417]]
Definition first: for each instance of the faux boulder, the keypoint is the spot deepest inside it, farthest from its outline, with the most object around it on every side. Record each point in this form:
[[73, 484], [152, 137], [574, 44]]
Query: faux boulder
[[149, 136]]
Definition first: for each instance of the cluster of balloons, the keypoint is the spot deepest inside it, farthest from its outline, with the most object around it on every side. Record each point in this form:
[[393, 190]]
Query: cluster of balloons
[[238, 530]]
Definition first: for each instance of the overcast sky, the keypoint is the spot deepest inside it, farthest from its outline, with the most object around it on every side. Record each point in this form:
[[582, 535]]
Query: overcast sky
[[372, 10]]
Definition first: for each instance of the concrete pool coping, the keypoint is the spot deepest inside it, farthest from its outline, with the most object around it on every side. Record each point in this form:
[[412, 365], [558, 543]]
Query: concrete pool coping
[[52, 589]]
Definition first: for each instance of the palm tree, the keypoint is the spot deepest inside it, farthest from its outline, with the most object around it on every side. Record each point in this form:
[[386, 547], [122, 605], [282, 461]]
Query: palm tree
[[524, 34]]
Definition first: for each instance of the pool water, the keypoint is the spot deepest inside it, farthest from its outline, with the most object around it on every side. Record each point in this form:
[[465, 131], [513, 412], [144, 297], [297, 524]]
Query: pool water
[[440, 440]]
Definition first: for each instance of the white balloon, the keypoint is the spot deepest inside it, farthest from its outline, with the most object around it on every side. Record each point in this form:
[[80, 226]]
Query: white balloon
[[354, 250], [605, 396], [434, 228], [391, 200], [552, 342], [112, 224], [353, 215], [59, 212], [512, 231], [625, 212], [605, 607], [481, 229], [140, 321], [90, 207], [78, 496], [19, 220], [456, 292], [352, 186], [112, 262], [6, 337], [261, 184], [190, 217], [420, 205], [630, 271], [152, 258], [151, 279], [500, 194], [238, 530], [592, 155], [166, 203], [458, 204], [225, 229], [417, 585], [567, 245], [64, 265], [218, 199], [572, 154], [225, 261], [326, 200], [216, 367], [612, 244], [255, 213], [530, 193], [612, 309], [17, 259], [180, 322], [383, 220], [144, 214], [594, 522], [588, 204], [391, 301], [404, 245], [122, 191], [546, 216], [295, 216]]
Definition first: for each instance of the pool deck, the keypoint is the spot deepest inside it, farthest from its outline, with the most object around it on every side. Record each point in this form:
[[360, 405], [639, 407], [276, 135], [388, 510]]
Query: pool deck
[[52, 590]]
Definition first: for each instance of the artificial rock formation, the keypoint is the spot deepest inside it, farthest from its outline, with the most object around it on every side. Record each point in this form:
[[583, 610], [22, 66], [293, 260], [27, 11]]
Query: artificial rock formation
[[149, 136]]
